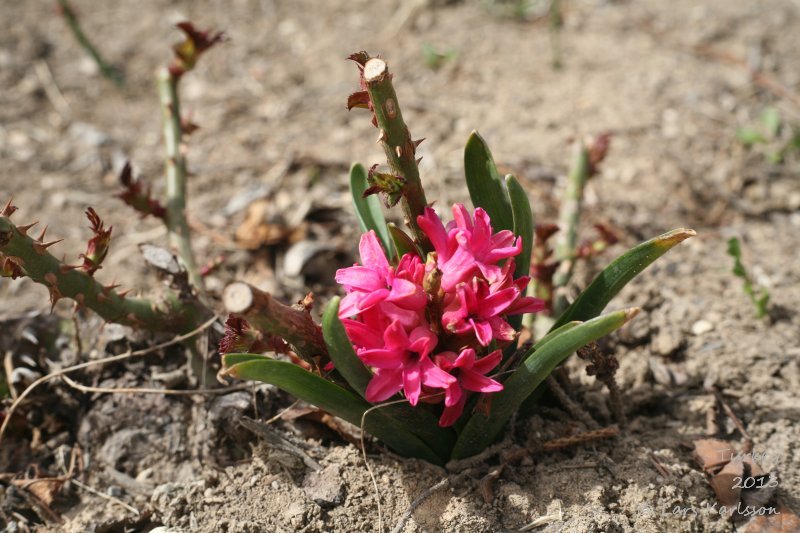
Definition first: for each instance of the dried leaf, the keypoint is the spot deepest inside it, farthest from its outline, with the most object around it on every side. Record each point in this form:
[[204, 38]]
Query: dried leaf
[[261, 228], [725, 484], [45, 489], [712, 454]]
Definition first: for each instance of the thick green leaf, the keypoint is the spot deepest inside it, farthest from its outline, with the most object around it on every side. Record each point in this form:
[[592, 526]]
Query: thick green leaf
[[341, 350], [417, 420], [230, 359], [402, 242], [485, 186], [482, 429], [370, 214], [523, 224], [333, 399], [528, 406], [615, 276], [523, 227]]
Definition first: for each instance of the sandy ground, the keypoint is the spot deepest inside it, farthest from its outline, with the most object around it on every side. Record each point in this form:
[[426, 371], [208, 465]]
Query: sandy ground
[[270, 103]]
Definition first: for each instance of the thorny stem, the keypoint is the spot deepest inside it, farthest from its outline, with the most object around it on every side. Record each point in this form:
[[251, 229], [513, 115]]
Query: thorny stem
[[269, 316], [569, 217], [175, 171], [106, 69], [396, 140], [170, 313]]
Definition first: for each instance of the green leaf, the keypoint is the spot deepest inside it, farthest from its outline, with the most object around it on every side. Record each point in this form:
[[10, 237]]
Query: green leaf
[[333, 399], [615, 276], [230, 359], [750, 136], [771, 119], [486, 189], [370, 214], [403, 242], [482, 429], [523, 224], [416, 420], [341, 350], [523, 227]]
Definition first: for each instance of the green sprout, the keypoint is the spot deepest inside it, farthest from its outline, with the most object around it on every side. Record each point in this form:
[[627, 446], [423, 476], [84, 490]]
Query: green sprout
[[760, 299], [777, 137], [435, 58]]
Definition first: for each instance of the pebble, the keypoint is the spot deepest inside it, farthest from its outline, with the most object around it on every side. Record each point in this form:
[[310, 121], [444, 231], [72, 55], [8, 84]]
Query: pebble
[[701, 327], [325, 487]]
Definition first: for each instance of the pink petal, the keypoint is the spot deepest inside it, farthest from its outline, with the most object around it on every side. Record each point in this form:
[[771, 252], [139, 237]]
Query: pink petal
[[473, 381], [450, 415], [482, 233], [407, 294], [370, 299], [422, 340], [362, 335], [501, 329], [496, 303], [360, 278], [492, 273], [444, 360], [457, 310], [383, 385], [483, 331], [462, 217], [349, 305], [499, 253], [408, 318], [382, 358], [412, 382], [485, 364], [457, 268], [395, 337], [526, 304], [504, 239], [433, 376], [371, 252], [453, 395], [466, 359], [432, 226]]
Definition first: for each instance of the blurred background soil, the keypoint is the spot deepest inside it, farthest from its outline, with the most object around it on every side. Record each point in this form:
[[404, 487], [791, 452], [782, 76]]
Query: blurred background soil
[[671, 81]]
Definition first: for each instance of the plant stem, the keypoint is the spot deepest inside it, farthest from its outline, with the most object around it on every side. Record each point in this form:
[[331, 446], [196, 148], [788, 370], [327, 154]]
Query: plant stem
[[396, 140], [175, 172], [267, 315], [568, 220], [556, 20], [106, 69], [169, 313]]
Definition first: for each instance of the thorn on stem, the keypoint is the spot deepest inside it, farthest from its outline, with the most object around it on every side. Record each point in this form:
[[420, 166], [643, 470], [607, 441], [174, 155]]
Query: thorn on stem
[[41, 247], [40, 238], [23, 230], [9, 208]]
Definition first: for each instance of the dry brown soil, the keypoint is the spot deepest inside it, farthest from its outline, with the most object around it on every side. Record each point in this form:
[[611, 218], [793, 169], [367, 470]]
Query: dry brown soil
[[270, 103]]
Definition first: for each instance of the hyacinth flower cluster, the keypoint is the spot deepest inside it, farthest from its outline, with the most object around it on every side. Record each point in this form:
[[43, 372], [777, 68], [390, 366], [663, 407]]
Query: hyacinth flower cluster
[[435, 329], [423, 350]]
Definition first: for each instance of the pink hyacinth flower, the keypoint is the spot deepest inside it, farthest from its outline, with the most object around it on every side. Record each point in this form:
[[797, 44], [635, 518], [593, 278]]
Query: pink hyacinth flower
[[403, 363], [468, 245], [375, 281], [470, 374]]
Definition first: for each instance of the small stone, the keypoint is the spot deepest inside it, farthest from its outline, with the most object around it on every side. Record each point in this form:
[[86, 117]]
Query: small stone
[[667, 341], [325, 487], [701, 327]]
